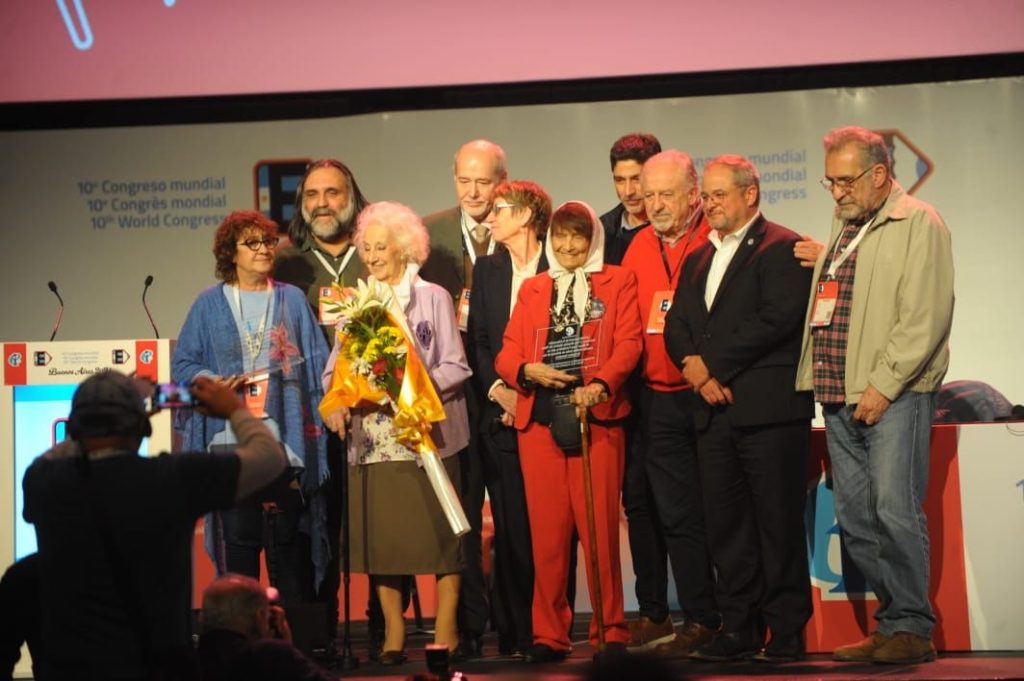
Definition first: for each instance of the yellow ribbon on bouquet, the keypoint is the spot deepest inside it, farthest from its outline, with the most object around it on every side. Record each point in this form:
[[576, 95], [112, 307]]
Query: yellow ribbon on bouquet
[[417, 407]]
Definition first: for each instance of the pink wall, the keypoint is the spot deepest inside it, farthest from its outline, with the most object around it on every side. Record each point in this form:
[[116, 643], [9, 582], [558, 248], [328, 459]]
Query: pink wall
[[143, 48]]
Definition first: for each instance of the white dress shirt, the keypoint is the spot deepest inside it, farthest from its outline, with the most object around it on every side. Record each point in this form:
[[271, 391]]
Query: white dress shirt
[[725, 249]]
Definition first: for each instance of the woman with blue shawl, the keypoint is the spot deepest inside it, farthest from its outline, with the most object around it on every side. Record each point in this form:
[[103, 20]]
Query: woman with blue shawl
[[260, 337]]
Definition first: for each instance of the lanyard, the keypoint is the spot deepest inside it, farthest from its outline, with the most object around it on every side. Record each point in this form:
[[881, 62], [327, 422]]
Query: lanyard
[[664, 254], [344, 262], [469, 240], [254, 341], [838, 260]]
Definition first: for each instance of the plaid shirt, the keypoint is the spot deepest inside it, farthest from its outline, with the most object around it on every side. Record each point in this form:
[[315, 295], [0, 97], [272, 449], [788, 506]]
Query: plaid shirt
[[829, 342]]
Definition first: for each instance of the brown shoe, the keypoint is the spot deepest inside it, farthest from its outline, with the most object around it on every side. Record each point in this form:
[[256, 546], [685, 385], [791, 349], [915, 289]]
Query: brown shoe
[[862, 650], [645, 634], [904, 648], [689, 637]]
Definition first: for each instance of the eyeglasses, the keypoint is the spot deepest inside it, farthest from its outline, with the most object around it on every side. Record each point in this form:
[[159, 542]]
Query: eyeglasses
[[269, 242], [843, 184], [499, 206]]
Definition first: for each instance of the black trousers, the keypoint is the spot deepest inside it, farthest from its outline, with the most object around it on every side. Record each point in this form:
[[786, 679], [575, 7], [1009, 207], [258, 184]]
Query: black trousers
[[646, 543], [327, 593], [754, 498], [664, 506], [512, 590], [473, 610]]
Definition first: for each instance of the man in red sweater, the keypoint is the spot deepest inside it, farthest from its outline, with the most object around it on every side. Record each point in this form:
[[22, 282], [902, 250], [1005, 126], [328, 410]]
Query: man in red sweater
[[662, 495]]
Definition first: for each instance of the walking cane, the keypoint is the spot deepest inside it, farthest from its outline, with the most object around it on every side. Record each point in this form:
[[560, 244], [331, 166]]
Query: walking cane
[[588, 494]]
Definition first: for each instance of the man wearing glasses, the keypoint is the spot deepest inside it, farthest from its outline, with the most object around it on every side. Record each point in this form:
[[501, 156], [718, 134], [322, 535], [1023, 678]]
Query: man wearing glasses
[[875, 350], [661, 489], [734, 330]]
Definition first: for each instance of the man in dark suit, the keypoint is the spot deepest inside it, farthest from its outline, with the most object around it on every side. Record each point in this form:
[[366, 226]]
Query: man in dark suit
[[458, 237], [518, 220], [621, 223], [735, 328]]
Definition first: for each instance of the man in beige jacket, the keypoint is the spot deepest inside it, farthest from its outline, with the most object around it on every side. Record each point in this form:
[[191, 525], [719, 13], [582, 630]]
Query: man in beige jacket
[[875, 350]]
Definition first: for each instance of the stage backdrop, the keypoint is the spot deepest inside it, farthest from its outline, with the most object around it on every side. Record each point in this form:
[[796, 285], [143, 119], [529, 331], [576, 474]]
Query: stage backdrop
[[98, 210]]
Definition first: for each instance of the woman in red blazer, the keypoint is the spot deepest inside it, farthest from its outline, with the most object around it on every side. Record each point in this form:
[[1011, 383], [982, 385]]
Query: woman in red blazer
[[574, 337]]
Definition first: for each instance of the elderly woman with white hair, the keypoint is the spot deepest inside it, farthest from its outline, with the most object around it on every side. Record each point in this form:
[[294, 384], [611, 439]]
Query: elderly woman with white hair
[[396, 522]]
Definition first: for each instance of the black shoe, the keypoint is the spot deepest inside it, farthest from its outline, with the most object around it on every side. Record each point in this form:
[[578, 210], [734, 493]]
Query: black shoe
[[726, 647], [392, 658], [509, 649], [469, 648], [541, 654], [788, 648]]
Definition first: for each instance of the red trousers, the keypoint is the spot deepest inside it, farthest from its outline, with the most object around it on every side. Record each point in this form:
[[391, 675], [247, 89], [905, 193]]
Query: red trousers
[[555, 504]]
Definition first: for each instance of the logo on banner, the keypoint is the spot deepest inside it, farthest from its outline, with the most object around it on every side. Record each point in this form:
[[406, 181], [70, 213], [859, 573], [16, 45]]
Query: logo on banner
[[119, 356], [15, 371], [41, 358], [146, 356], [910, 165], [832, 569]]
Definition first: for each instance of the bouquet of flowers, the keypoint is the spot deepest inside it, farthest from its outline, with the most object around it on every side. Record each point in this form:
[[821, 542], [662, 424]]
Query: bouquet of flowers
[[377, 365]]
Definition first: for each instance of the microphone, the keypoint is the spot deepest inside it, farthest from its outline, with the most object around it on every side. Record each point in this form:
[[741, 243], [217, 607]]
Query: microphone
[[149, 282], [60, 310]]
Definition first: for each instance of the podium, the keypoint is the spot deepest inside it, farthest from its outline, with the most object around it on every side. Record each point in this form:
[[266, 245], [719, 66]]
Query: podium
[[39, 380]]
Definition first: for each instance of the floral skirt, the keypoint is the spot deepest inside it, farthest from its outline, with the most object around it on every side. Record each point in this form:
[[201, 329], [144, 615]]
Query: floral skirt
[[396, 525]]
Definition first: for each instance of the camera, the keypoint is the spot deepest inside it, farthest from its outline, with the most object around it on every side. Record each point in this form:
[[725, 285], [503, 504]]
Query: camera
[[173, 396]]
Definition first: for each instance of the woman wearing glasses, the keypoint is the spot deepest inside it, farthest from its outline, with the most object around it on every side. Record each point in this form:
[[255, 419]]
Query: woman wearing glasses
[[259, 336]]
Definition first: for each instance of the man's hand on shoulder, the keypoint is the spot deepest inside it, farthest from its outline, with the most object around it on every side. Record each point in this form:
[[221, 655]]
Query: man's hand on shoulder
[[807, 251]]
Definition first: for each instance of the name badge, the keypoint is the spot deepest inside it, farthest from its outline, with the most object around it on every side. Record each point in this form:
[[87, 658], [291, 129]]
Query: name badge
[[255, 392], [329, 297], [660, 306], [462, 314], [825, 298]]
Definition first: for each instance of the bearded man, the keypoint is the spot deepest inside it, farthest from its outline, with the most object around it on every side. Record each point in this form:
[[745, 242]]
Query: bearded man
[[321, 254]]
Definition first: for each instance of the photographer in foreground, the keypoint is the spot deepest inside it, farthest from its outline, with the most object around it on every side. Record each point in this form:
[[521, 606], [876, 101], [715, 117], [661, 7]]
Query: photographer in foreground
[[115, 529], [247, 637]]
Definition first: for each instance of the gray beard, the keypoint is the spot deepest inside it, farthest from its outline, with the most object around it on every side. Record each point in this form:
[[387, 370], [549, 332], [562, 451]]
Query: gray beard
[[340, 226]]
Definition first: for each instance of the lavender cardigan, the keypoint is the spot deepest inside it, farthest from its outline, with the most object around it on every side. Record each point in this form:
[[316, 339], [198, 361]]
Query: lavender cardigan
[[435, 332]]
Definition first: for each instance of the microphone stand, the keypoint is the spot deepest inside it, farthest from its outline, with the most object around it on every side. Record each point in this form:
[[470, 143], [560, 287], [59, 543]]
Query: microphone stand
[[60, 310], [149, 282]]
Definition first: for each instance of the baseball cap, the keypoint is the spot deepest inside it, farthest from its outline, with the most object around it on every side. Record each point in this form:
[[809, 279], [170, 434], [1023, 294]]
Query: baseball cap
[[108, 403]]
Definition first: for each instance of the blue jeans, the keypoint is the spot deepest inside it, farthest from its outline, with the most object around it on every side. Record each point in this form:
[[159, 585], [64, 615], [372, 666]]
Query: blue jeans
[[880, 476]]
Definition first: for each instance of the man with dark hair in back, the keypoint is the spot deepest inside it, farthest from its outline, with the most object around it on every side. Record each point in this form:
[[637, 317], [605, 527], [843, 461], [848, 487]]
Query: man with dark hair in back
[[621, 223], [115, 529]]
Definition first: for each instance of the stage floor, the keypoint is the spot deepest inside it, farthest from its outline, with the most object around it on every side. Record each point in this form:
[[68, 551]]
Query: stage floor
[[491, 667]]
